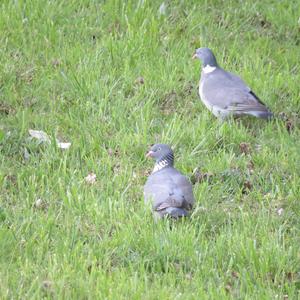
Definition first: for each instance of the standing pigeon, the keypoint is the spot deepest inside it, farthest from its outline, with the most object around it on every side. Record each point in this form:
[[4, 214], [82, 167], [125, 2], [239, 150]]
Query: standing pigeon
[[170, 192], [224, 93]]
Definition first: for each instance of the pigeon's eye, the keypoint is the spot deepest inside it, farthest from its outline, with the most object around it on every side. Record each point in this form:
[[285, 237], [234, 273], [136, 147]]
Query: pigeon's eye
[[158, 149]]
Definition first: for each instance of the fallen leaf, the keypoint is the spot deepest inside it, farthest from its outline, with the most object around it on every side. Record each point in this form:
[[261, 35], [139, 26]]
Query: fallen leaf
[[283, 116], [91, 178], [147, 173], [199, 177], [40, 204], [245, 148], [27, 75], [44, 138], [63, 145], [247, 186], [189, 87], [47, 284], [140, 80], [40, 135], [280, 211], [289, 121], [6, 109]]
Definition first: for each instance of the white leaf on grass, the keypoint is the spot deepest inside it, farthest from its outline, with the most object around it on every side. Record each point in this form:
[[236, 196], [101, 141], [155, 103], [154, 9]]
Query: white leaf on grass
[[162, 9], [91, 178], [40, 135], [44, 138], [40, 204], [280, 211], [63, 145]]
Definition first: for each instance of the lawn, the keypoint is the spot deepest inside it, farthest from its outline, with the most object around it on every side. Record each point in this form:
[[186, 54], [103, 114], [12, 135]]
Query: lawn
[[113, 77]]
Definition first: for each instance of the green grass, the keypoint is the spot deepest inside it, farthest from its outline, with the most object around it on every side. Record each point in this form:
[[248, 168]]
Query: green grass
[[69, 68]]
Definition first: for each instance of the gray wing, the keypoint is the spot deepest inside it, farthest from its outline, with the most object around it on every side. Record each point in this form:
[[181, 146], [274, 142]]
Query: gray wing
[[168, 188], [185, 187], [229, 92]]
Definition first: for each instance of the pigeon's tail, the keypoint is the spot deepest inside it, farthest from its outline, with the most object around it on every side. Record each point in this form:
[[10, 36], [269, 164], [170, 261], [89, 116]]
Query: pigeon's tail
[[175, 212], [267, 115]]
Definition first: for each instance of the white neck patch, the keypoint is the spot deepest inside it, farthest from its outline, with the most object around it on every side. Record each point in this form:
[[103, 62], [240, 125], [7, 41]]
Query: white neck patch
[[208, 69], [160, 165]]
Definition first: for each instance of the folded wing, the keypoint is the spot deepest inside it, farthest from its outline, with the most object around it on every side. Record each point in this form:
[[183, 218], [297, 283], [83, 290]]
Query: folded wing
[[229, 92]]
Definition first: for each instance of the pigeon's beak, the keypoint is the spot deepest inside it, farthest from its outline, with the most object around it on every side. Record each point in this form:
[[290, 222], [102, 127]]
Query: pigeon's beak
[[149, 154], [194, 56]]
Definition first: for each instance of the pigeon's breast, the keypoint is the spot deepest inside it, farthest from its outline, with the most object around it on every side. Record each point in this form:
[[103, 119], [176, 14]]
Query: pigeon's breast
[[209, 101], [203, 97]]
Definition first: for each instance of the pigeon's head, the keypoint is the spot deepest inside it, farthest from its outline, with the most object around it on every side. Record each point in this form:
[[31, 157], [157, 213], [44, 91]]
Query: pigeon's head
[[206, 56], [161, 152]]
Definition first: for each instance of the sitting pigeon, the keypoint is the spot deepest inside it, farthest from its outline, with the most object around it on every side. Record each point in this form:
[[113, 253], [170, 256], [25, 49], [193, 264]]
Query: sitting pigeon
[[224, 93], [170, 192]]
